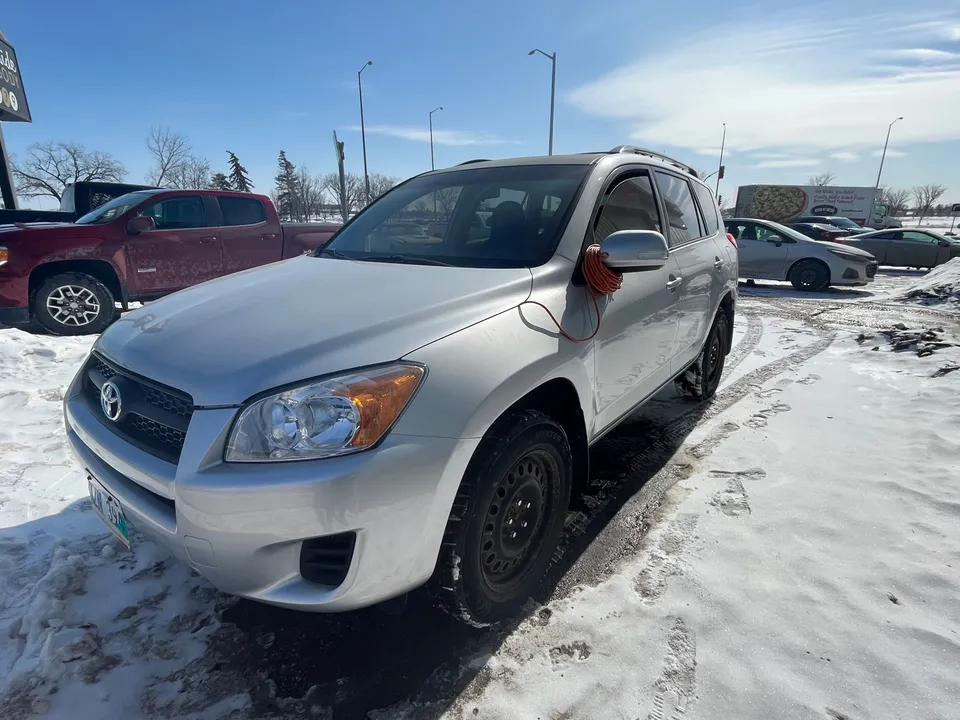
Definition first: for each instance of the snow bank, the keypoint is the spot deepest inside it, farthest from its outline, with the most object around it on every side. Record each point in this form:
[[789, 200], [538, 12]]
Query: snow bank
[[940, 285]]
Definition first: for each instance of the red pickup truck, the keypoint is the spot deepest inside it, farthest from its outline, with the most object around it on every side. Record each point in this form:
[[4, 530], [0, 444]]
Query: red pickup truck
[[68, 277]]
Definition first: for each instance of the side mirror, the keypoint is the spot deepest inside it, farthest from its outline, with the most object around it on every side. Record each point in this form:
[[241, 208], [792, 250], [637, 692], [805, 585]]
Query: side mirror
[[140, 223], [944, 243], [635, 250]]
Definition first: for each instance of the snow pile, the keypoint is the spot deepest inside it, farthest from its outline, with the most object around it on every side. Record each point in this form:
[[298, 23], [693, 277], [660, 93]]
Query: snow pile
[[940, 285]]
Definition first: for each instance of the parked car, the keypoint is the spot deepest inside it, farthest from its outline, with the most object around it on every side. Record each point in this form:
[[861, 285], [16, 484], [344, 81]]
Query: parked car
[[907, 248], [771, 251], [826, 233], [138, 247], [833, 221], [78, 199], [335, 430]]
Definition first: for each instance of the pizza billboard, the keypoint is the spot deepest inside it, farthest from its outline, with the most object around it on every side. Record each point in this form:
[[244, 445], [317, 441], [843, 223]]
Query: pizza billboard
[[13, 99], [785, 203]]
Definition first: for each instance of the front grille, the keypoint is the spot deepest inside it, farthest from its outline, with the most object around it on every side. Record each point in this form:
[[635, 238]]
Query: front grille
[[326, 560], [872, 269], [153, 417]]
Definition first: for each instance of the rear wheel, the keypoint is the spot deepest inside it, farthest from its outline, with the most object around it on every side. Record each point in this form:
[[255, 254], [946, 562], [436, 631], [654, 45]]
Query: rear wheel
[[810, 275], [73, 304], [506, 521], [701, 380]]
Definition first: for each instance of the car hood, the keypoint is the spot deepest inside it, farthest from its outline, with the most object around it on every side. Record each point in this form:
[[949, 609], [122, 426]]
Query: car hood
[[37, 227], [848, 247], [231, 338]]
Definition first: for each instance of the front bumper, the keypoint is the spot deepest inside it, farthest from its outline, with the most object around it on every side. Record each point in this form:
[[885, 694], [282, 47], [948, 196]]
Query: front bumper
[[854, 274], [242, 526]]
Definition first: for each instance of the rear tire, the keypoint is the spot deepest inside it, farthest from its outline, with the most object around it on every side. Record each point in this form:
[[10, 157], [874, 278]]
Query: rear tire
[[506, 520], [73, 304], [810, 276], [701, 380]]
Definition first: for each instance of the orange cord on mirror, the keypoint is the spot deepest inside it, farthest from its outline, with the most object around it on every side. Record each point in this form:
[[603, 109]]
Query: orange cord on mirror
[[601, 280]]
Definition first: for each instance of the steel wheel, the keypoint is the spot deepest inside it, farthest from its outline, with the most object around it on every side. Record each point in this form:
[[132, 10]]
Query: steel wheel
[[73, 306]]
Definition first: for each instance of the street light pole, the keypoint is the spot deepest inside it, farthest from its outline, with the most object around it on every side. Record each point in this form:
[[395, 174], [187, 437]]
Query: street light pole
[[363, 132], [885, 143], [553, 89], [723, 142], [432, 166]]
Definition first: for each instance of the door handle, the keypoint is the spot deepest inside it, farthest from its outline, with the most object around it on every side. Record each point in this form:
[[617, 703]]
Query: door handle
[[674, 282], [717, 264], [206, 240], [270, 236]]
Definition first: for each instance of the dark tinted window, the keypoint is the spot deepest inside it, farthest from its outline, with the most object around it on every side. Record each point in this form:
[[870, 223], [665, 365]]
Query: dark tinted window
[[629, 205], [742, 230], [434, 218], [708, 207], [177, 213], [681, 210], [241, 211]]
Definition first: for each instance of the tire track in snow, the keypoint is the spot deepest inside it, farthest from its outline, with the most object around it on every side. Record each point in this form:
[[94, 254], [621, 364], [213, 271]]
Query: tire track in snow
[[747, 344]]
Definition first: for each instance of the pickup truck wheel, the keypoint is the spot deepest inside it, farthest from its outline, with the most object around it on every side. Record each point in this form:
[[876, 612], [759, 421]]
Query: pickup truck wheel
[[73, 304], [701, 380], [506, 521]]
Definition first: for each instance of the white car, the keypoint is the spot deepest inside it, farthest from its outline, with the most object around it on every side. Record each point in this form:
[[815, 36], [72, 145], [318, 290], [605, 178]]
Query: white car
[[771, 251]]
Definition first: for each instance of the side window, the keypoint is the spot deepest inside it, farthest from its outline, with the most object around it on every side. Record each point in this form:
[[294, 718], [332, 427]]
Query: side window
[[628, 205], [681, 210], [885, 236], [918, 237], [708, 207], [178, 213], [241, 211], [743, 231]]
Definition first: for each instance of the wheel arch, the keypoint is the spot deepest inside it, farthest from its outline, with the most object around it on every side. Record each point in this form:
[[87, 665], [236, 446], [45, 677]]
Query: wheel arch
[[101, 270]]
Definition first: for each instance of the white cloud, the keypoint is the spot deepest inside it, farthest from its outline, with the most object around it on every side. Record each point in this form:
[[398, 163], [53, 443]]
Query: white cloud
[[440, 137], [781, 63], [796, 162], [844, 156], [890, 153]]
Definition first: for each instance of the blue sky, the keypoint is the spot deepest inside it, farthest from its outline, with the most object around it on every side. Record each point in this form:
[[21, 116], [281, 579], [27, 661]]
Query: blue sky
[[803, 88]]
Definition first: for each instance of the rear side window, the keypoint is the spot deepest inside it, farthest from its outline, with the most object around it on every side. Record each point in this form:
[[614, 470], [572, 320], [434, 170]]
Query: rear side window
[[681, 210], [629, 205], [709, 208], [241, 211]]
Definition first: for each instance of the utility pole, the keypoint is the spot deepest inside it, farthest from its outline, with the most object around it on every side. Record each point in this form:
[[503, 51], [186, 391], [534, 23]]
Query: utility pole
[[432, 166], [885, 143], [553, 89], [363, 132], [723, 142]]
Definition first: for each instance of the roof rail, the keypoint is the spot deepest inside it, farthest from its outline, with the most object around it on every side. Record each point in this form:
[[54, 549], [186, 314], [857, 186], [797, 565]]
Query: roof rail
[[653, 153], [470, 162]]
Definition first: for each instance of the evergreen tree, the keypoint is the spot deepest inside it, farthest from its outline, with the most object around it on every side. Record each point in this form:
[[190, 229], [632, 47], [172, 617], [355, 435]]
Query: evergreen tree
[[286, 188], [239, 179], [219, 181]]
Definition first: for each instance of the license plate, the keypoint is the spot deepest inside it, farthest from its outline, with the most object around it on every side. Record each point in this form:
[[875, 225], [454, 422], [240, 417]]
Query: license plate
[[108, 508]]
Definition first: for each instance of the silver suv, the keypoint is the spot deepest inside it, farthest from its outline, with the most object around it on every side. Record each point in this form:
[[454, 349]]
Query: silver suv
[[332, 431]]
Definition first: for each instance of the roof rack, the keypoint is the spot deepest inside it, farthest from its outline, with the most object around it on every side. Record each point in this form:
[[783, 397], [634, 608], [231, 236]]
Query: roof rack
[[470, 162], [652, 153]]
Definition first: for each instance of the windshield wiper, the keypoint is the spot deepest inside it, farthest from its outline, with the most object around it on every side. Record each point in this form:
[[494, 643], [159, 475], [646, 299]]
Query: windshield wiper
[[404, 259], [332, 252]]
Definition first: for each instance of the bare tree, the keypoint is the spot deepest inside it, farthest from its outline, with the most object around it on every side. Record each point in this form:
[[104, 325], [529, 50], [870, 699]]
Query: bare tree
[[191, 174], [446, 199], [49, 167], [822, 179], [925, 196], [895, 199], [355, 190], [379, 184], [170, 150], [307, 195]]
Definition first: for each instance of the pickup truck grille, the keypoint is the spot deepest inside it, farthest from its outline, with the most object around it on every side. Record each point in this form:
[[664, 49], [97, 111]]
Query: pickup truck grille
[[153, 417]]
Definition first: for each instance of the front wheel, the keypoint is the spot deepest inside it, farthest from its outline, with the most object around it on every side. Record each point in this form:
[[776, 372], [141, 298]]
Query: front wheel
[[73, 304], [701, 380], [810, 276], [506, 521]]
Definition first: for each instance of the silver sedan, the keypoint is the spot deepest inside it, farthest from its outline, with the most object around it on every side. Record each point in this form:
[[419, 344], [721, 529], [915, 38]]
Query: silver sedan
[[907, 248], [771, 251]]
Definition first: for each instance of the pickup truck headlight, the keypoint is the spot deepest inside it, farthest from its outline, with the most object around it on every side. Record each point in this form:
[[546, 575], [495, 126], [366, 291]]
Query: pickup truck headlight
[[4, 255], [335, 416]]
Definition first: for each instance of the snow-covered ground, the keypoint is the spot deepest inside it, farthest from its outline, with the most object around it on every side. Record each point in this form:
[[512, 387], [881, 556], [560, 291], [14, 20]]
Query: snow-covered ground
[[790, 551]]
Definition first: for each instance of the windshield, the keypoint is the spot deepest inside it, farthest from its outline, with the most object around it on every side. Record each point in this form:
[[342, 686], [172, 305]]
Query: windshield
[[938, 236], [112, 210], [843, 222], [477, 217]]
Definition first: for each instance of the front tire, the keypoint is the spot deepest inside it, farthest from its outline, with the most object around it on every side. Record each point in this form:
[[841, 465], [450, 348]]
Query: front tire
[[701, 380], [73, 304], [810, 276], [506, 520]]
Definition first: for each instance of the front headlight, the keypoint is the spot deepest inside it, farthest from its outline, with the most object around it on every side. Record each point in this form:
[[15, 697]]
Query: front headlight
[[850, 257], [336, 416]]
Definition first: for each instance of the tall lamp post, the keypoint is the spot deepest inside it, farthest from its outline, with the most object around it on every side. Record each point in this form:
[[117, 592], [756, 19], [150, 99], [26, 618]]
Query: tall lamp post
[[363, 132], [885, 143], [553, 89], [723, 141], [432, 166]]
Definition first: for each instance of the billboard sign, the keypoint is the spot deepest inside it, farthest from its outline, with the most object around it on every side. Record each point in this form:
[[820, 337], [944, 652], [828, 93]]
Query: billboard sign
[[13, 99]]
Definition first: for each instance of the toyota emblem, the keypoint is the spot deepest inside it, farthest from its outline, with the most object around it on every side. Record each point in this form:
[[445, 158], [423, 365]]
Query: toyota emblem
[[110, 401]]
